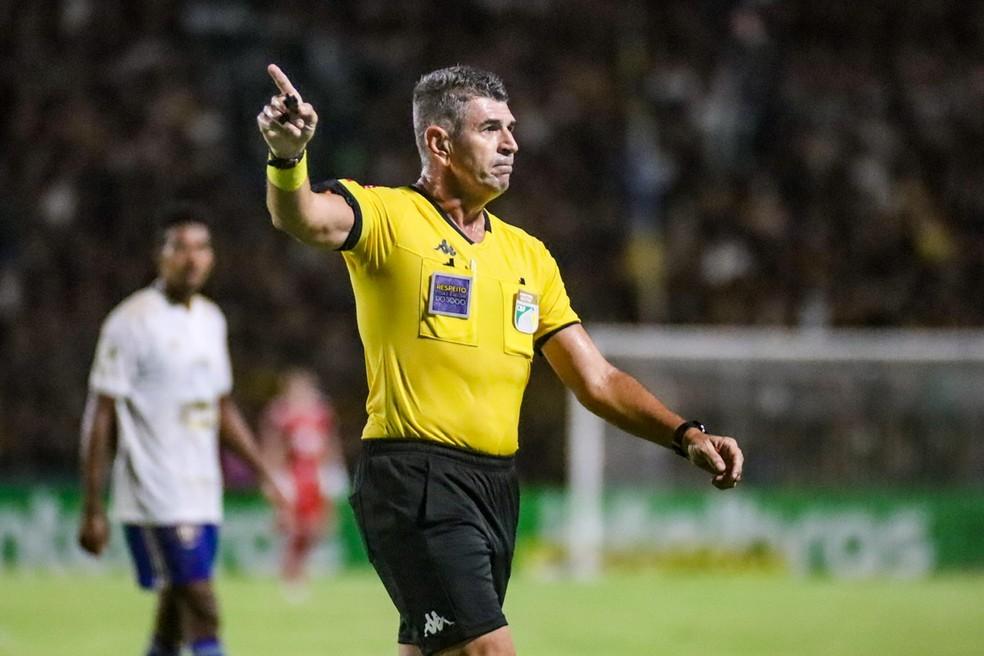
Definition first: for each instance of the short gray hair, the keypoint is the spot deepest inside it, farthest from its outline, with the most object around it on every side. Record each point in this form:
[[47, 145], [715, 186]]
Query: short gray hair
[[439, 98]]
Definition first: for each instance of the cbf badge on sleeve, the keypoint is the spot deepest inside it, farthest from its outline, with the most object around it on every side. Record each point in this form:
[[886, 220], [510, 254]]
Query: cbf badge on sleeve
[[450, 295], [526, 313]]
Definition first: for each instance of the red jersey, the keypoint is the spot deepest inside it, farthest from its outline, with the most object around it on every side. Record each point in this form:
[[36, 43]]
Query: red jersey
[[305, 429]]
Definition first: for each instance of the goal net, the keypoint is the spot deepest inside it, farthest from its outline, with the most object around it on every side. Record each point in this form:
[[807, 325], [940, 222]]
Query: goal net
[[841, 409]]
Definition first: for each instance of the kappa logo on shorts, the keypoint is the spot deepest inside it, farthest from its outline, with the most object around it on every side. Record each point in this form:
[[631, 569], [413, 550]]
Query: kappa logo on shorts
[[434, 623]]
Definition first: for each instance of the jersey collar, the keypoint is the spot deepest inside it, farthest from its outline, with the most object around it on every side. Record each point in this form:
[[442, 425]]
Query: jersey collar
[[444, 215], [158, 285]]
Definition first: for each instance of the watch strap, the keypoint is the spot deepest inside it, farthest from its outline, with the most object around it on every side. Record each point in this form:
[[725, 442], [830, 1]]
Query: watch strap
[[285, 162], [677, 444]]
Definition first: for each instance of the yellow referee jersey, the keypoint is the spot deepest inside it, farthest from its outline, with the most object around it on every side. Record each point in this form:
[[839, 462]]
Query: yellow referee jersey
[[448, 326]]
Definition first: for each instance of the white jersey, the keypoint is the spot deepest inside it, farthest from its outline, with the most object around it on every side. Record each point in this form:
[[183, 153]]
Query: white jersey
[[166, 365]]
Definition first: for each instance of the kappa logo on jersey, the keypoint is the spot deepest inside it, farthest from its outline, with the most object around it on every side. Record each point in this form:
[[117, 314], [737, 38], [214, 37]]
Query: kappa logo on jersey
[[434, 623], [446, 248]]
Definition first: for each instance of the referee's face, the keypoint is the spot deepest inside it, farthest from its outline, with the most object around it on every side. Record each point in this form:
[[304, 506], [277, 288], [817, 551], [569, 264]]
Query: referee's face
[[482, 157], [186, 259]]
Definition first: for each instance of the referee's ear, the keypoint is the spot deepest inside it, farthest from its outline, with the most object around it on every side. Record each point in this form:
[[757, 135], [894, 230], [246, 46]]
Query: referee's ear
[[438, 143]]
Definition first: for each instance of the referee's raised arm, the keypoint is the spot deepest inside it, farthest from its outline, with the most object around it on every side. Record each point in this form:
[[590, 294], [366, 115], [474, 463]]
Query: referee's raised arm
[[287, 124]]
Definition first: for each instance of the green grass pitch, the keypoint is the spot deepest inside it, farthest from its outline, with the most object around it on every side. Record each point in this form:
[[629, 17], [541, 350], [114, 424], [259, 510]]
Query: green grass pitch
[[644, 614]]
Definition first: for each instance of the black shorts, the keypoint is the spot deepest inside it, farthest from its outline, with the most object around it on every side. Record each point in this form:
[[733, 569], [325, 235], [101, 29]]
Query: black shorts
[[439, 525]]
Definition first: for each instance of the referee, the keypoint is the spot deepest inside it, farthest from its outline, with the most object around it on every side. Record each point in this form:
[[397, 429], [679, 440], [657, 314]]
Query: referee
[[452, 303]]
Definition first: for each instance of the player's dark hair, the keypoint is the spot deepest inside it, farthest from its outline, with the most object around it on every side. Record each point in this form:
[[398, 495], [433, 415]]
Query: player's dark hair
[[176, 214], [439, 97]]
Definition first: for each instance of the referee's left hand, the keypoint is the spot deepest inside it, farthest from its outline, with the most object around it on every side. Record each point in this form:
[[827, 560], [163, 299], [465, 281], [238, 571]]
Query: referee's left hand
[[716, 454]]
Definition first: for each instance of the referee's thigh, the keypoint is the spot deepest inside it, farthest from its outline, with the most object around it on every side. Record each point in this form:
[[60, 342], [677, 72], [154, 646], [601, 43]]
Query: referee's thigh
[[434, 546]]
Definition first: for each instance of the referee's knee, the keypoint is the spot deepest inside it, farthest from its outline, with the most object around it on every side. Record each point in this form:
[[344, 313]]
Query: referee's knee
[[493, 643]]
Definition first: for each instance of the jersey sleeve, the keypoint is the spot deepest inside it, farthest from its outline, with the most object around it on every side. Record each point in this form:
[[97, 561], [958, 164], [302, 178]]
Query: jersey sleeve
[[556, 312], [373, 233], [114, 368]]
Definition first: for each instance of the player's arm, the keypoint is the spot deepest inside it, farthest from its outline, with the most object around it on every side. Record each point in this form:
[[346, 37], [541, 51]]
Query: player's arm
[[98, 449], [620, 399], [235, 434], [287, 125], [271, 443]]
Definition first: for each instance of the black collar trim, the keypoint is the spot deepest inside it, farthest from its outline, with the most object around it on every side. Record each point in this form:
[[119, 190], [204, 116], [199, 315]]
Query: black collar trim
[[444, 215]]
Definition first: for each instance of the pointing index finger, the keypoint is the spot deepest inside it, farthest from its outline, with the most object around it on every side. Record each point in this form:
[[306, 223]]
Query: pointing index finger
[[282, 82]]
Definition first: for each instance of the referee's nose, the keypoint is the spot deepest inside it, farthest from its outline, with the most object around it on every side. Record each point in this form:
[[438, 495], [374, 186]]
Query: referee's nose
[[508, 145]]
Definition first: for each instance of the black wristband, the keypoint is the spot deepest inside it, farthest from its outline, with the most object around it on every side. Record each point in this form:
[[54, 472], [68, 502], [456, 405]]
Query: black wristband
[[677, 444], [285, 162]]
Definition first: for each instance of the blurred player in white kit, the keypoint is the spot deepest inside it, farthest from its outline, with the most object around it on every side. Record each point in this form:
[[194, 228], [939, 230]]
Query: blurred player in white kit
[[159, 407]]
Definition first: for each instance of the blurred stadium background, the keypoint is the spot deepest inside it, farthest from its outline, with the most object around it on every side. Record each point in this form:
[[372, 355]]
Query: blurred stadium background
[[710, 174]]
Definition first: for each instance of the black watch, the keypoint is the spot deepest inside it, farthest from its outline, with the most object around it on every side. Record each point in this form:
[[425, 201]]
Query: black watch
[[285, 162], [677, 444]]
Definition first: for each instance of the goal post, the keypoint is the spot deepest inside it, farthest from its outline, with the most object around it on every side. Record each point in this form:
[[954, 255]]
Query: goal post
[[749, 378]]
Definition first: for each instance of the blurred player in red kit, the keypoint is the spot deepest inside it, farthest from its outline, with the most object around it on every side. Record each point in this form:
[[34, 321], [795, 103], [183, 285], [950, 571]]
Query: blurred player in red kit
[[300, 442]]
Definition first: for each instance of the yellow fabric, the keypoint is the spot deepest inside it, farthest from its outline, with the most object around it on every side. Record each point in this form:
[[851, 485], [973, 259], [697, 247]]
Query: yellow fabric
[[289, 179], [452, 380]]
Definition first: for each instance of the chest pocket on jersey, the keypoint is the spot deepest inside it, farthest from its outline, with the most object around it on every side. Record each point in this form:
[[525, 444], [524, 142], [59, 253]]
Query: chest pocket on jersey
[[521, 317], [448, 304]]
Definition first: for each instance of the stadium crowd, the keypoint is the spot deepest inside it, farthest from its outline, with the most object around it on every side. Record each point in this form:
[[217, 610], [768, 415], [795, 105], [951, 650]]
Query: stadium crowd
[[767, 163]]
